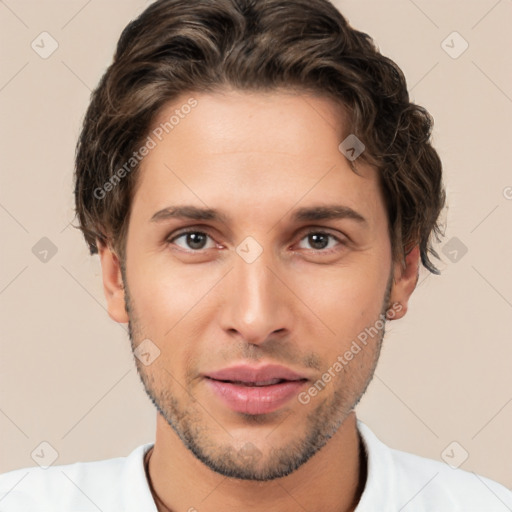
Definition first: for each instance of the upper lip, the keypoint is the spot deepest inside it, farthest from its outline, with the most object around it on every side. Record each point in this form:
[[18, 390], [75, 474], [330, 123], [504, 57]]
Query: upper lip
[[246, 373]]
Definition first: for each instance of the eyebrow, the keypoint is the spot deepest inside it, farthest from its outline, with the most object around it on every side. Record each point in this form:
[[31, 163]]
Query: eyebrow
[[311, 213], [326, 213], [188, 212]]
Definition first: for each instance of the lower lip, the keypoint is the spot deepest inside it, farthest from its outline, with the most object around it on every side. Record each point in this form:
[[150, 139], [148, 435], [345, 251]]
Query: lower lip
[[255, 399]]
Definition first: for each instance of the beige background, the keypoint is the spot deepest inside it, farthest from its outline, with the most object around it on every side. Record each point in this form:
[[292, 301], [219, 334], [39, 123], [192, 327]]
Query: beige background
[[67, 375]]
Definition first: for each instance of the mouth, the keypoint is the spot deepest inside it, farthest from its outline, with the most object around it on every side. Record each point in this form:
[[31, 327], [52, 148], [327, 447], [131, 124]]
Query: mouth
[[270, 382], [255, 390], [264, 375]]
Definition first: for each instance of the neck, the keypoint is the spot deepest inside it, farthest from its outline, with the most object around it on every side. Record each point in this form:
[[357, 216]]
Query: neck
[[332, 480]]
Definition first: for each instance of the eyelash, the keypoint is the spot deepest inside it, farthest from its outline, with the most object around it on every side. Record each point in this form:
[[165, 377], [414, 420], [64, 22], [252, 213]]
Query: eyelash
[[170, 240]]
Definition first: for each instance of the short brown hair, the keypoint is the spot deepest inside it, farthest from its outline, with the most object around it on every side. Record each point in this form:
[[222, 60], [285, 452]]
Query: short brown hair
[[179, 46]]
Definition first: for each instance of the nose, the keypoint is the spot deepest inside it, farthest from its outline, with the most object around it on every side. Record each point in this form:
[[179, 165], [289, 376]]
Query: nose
[[257, 305]]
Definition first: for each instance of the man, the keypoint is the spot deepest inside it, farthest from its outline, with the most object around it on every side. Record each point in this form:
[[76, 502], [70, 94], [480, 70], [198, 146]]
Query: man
[[261, 193]]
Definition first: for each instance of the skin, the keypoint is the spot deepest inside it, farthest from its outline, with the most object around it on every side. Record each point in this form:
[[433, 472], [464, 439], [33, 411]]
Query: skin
[[257, 158]]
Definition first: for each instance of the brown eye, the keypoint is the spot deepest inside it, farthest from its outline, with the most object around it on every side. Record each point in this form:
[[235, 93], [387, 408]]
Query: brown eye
[[192, 240], [319, 241]]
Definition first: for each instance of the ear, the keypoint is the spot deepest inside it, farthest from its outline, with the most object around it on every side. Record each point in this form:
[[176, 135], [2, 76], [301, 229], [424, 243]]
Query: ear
[[112, 283], [405, 279]]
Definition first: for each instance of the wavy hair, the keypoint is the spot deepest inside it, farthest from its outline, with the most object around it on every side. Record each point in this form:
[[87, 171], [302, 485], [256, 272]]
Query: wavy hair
[[177, 46]]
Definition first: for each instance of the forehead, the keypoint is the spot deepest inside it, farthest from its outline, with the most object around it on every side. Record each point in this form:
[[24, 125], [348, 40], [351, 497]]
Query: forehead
[[239, 149], [223, 114]]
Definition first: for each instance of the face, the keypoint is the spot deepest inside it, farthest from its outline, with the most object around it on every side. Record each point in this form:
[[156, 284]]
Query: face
[[252, 242]]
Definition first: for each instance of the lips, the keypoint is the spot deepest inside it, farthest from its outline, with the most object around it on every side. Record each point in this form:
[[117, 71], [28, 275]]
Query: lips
[[253, 390], [254, 383], [259, 376]]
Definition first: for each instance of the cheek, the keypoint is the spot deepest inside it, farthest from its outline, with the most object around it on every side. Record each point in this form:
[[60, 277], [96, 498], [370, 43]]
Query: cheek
[[347, 300], [156, 303], [172, 306], [158, 287]]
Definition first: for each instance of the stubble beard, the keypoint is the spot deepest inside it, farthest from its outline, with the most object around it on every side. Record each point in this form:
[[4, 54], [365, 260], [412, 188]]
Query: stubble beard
[[189, 421]]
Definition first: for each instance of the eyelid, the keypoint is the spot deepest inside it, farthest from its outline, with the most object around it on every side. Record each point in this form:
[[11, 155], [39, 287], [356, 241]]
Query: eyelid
[[184, 231], [325, 231]]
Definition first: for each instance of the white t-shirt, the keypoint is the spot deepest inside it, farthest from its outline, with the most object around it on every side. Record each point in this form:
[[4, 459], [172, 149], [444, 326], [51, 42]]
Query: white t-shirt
[[397, 481]]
